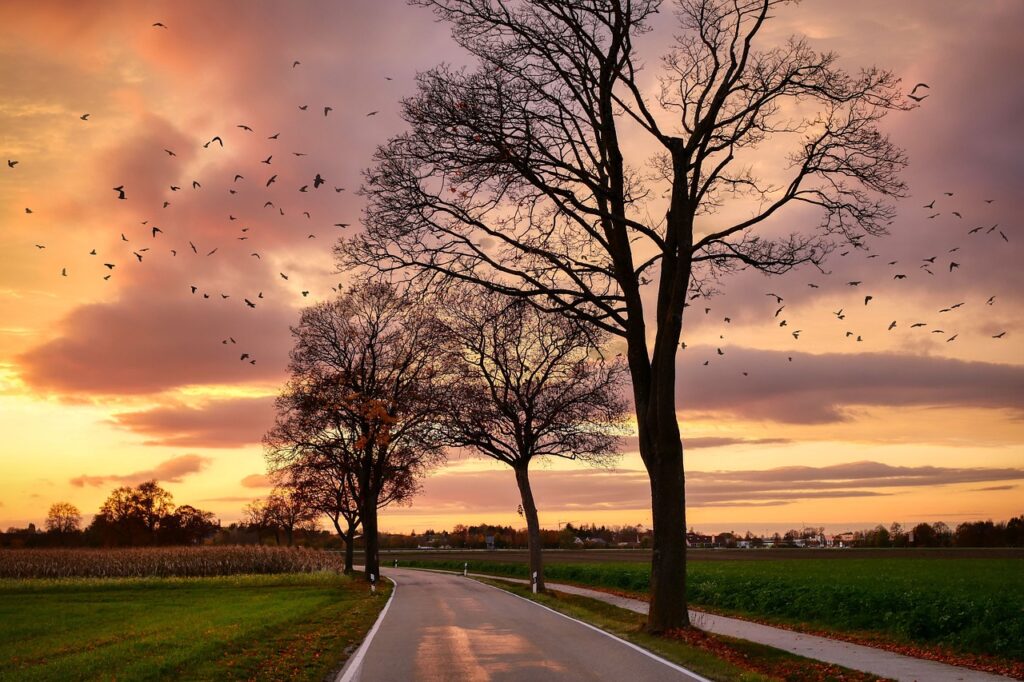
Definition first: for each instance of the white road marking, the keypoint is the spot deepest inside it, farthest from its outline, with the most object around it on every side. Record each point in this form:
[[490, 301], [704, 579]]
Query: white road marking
[[635, 647], [351, 669]]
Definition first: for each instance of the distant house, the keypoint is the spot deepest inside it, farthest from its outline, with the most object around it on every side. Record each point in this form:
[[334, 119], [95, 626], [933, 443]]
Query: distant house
[[843, 539], [698, 540]]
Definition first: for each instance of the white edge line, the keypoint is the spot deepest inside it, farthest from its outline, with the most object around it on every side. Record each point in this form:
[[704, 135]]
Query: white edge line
[[351, 668], [636, 647]]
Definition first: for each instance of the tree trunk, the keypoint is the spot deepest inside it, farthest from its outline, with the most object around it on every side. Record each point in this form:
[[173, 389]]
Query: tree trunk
[[372, 558], [662, 452], [350, 549], [532, 524]]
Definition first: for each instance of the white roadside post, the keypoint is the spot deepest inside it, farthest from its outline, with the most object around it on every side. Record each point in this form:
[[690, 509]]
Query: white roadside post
[[533, 582], [373, 584], [465, 569], [396, 563]]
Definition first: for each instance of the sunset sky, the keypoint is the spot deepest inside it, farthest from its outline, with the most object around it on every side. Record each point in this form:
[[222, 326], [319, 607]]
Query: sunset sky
[[112, 381]]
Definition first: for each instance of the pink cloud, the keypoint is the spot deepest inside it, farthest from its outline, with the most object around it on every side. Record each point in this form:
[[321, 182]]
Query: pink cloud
[[172, 470], [215, 424]]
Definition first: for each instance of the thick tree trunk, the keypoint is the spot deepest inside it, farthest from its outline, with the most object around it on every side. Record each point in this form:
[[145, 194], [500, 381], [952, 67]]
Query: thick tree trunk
[[662, 453], [532, 524], [372, 560]]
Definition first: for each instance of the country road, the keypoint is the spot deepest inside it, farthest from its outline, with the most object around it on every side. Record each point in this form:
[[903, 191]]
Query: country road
[[446, 627]]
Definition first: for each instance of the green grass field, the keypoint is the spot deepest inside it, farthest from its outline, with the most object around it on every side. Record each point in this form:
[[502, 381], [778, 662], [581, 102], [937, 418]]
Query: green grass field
[[265, 627], [970, 605]]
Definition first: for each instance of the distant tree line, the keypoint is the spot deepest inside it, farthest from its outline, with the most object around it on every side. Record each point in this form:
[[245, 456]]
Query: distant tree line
[[969, 534], [132, 516]]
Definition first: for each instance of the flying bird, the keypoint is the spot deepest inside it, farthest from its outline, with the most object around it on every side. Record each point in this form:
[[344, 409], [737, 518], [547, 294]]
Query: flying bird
[[327, 110], [170, 153], [953, 266], [159, 25], [249, 303], [999, 335], [120, 192], [892, 325], [84, 117], [317, 181], [868, 299], [267, 160], [271, 180], [157, 230], [11, 163], [244, 127], [372, 113], [215, 138]]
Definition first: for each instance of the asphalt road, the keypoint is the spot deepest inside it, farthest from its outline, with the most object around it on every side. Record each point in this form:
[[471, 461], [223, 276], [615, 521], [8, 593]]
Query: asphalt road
[[445, 627]]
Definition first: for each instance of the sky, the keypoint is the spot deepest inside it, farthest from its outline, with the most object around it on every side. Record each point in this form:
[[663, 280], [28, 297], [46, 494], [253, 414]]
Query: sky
[[112, 376]]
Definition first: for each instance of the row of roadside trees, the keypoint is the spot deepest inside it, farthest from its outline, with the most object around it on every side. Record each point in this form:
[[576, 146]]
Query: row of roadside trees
[[384, 383]]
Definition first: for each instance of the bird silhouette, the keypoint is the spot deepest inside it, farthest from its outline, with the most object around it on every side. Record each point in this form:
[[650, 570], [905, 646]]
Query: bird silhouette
[[271, 181], [84, 117], [11, 163], [120, 192], [244, 127], [999, 335], [327, 110], [159, 25], [892, 325], [215, 138]]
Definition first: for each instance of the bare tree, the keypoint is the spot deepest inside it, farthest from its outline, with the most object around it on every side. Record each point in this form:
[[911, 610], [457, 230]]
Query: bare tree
[[366, 364], [63, 518], [287, 509], [529, 385], [514, 176], [312, 447]]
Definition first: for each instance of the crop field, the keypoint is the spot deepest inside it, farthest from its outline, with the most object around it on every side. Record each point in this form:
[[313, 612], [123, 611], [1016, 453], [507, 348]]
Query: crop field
[[244, 627], [967, 604], [164, 562]]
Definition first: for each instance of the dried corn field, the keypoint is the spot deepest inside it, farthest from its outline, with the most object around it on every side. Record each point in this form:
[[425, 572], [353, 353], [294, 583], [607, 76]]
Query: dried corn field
[[163, 562]]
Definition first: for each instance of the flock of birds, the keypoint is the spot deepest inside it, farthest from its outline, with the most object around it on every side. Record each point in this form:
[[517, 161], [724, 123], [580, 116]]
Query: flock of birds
[[155, 235], [158, 236], [898, 270]]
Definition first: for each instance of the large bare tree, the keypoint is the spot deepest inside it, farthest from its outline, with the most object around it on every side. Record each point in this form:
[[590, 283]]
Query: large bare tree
[[526, 385], [368, 363], [516, 175]]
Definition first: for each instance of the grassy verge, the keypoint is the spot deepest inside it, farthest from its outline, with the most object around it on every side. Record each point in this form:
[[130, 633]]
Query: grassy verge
[[973, 606], [257, 627], [713, 656]]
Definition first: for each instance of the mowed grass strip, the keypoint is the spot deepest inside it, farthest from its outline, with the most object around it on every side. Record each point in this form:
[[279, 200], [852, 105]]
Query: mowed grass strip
[[969, 605], [256, 627], [723, 659]]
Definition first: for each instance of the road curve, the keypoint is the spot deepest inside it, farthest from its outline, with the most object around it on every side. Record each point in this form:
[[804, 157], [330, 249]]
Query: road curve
[[446, 627]]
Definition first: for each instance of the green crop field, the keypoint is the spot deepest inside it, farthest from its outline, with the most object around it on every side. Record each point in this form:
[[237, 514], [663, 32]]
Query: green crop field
[[970, 605], [262, 627]]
